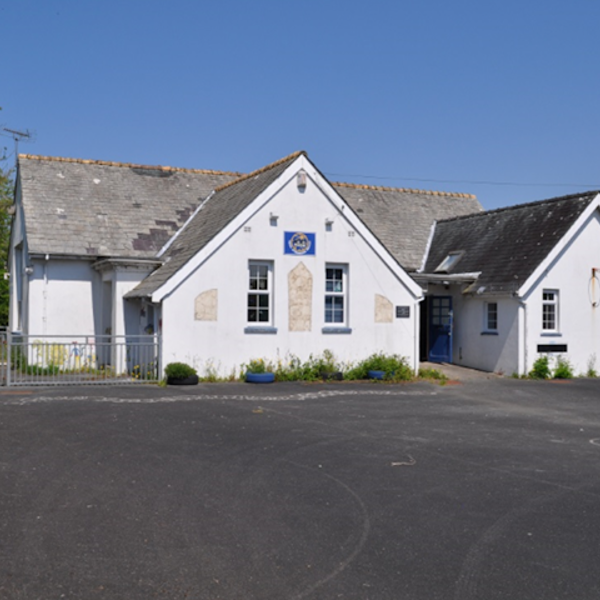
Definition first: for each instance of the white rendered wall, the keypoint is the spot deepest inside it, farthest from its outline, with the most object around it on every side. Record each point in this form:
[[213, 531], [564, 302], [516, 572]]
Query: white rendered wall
[[579, 320], [61, 297], [126, 314], [222, 344], [477, 348], [66, 298]]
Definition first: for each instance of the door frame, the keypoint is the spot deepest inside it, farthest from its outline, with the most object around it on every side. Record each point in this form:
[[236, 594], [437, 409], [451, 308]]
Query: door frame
[[437, 331]]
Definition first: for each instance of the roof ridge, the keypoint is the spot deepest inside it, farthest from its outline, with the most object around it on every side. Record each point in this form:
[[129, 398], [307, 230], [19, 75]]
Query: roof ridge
[[520, 206], [108, 163], [261, 170], [383, 188]]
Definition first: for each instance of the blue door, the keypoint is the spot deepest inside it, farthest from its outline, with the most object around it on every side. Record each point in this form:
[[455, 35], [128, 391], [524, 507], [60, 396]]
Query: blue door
[[440, 329]]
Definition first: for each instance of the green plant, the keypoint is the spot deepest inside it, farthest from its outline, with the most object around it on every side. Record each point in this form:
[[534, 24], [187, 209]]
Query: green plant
[[41, 371], [563, 369], [257, 365], [179, 370], [145, 372], [541, 368], [210, 374], [433, 374], [394, 367], [591, 367], [315, 368]]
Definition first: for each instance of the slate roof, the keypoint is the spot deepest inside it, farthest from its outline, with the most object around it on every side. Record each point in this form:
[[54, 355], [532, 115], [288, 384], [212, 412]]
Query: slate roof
[[103, 209], [506, 245], [401, 218], [220, 209]]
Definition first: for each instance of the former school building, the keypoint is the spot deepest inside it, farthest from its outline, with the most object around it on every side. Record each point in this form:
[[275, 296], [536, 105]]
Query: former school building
[[227, 267]]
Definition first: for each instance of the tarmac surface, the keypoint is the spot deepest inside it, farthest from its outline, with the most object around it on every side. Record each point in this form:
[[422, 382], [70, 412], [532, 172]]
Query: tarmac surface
[[486, 489]]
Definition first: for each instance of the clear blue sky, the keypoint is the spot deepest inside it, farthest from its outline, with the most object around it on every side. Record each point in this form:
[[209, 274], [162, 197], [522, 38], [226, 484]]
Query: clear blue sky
[[426, 94]]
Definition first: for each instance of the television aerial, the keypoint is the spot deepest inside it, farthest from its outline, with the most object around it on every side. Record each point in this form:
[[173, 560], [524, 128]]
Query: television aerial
[[17, 137]]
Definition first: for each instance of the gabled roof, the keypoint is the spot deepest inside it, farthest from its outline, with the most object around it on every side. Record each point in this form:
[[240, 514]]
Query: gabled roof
[[506, 245], [401, 218], [109, 209], [105, 209], [118, 210], [219, 209]]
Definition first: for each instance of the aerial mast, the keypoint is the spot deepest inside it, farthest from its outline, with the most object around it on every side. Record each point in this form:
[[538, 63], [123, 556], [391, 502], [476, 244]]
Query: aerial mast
[[17, 136]]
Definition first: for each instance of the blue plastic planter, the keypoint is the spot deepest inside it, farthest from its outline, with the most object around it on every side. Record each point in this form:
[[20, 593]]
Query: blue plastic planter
[[376, 374], [260, 377]]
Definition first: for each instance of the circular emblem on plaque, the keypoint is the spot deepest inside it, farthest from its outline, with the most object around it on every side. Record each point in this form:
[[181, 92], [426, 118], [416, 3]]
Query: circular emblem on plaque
[[299, 243]]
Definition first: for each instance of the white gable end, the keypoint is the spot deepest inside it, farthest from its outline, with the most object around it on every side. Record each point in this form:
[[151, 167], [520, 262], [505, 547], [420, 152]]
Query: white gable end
[[338, 211], [340, 291]]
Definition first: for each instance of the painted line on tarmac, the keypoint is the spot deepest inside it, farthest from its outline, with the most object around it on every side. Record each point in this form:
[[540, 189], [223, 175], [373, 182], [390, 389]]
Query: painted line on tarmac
[[243, 397]]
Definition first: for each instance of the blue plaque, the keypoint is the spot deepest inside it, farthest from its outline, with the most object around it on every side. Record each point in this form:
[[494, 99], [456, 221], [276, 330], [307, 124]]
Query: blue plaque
[[299, 243]]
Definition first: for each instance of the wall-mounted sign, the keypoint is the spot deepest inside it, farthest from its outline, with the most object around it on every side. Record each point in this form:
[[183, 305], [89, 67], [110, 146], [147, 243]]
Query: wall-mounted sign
[[402, 312], [299, 243]]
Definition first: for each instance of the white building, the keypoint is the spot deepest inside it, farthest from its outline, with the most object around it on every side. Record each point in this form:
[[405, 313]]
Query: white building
[[226, 267], [280, 262], [521, 282]]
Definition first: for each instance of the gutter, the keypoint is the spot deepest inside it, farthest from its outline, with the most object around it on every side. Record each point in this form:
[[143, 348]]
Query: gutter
[[446, 277]]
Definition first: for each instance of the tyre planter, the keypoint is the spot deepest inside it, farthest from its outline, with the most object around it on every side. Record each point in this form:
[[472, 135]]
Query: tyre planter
[[376, 374], [333, 376], [260, 377], [191, 380]]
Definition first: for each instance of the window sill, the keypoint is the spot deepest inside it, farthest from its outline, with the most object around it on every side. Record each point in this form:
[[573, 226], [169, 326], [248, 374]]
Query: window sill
[[343, 330], [258, 329], [551, 334], [489, 333]]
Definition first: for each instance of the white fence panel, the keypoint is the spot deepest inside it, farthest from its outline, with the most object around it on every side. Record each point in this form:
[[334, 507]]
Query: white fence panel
[[79, 360]]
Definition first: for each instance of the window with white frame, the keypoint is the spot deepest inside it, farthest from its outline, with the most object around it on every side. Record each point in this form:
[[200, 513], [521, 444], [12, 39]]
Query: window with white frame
[[550, 310], [260, 292], [491, 316], [335, 294]]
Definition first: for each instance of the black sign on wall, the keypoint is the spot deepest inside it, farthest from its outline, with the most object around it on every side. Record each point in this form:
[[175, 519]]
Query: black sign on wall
[[552, 348], [402, 312]]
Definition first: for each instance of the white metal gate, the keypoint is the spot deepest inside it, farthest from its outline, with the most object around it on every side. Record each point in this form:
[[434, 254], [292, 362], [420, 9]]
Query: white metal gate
[[79, 359]]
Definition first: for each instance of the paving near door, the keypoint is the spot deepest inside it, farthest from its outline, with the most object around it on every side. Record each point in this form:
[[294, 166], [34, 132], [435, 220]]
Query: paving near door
[[483, 489]]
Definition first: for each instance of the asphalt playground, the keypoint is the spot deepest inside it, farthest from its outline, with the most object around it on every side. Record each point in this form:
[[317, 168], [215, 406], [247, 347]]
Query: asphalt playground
[[484, 489]]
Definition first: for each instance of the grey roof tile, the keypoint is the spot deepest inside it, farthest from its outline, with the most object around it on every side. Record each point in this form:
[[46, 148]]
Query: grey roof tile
[[508, 244], [220, 209], [123, 210], [401, 218], [102, 209]]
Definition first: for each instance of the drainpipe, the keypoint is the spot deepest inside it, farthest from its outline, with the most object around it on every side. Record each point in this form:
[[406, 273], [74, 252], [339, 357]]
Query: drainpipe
[[523, 344], [45, 295], [417, 336]]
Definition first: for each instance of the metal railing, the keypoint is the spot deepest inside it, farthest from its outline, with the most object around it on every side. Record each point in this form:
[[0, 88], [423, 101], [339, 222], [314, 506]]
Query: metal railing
[[79, 359]]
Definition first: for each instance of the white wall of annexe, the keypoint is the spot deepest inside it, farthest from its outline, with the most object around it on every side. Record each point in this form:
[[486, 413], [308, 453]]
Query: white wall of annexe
[[220, 338], [62, 296], [476, 347], [570, 273], [71, 297]]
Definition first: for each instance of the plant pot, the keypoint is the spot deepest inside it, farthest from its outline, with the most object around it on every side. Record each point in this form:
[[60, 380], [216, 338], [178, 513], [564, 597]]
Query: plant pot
[[332, 376], [376, 374], [191, 380], [260, 377]]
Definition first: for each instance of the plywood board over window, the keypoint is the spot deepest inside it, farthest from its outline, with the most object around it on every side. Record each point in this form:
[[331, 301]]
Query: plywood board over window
[[206, 306], [384, 309], [300, 289]]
